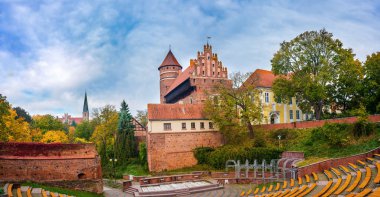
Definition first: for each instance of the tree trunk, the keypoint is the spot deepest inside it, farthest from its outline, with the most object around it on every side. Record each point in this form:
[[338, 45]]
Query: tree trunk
[[318, 110], [250, 130]]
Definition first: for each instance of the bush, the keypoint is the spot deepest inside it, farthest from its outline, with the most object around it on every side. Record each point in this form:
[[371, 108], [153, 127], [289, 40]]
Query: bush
[[143, 155], [202, 153], [217, 158], [363, 128], [335, 135]]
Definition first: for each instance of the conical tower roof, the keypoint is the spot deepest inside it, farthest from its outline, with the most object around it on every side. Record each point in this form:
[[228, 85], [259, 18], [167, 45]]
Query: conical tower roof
[[85, 105], [170, 60]]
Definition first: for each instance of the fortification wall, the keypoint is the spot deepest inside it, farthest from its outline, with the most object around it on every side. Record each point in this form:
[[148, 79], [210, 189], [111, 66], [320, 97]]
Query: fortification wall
[[75, 166], [316, 123], [167, 151]]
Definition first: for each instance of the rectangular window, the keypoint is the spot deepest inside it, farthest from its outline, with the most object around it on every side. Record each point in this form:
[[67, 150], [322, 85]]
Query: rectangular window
[[202, 125], [184, 126], [193, 125], [290, 101], [167, 126], [298, 114], [210, 125], [291, 114], [266, 97]]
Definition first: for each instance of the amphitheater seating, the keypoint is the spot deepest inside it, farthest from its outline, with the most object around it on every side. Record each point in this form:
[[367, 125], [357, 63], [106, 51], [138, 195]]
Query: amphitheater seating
[[21, 191], [356, 179]]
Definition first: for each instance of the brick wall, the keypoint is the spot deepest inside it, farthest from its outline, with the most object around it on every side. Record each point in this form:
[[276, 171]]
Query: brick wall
[[316, 123], [175, 149], [327, 164], [76, 166]]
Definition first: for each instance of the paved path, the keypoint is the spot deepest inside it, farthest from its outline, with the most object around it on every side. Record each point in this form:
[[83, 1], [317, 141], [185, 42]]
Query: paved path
[[111, 192]]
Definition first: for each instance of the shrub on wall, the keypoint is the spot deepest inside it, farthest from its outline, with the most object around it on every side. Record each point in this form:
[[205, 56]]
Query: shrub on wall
[[217, 158], [363, 128], [202, 153]]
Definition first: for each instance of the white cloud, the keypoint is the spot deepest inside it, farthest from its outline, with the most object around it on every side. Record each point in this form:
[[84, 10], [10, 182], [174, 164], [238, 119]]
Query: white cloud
[[113, 49]]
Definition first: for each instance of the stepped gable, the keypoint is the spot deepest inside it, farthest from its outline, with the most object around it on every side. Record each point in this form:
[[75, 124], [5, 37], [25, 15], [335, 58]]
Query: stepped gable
[[175, 112]]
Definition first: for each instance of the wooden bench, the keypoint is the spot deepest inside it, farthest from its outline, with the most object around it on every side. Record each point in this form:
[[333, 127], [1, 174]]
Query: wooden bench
[[328, 174], [285, 185], [315, 176], [307, 178], [300, 190], [344, 168], [291, 182], [277, 186], [324, 190], [312, 186], [377, 178], [367, 178], [361, 163], [299, 181], [270, 188], [334, 188], [336, 171], [345, 184], [363, 193], [356, 181]]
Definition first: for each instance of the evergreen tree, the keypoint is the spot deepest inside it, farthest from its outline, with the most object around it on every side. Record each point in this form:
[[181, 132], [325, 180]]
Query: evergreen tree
[[125, 146]]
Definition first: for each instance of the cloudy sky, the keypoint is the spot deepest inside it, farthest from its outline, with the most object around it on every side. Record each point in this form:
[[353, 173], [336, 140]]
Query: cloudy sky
[[52, 51]]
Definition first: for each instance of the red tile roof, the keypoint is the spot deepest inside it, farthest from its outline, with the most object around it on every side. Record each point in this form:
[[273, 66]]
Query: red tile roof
[[175, 112], [170, 60], [261, 78], [181, 78]]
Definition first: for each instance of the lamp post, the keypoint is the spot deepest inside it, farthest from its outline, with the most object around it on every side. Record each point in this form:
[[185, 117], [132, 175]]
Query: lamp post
[[113, 161], [279, 141]]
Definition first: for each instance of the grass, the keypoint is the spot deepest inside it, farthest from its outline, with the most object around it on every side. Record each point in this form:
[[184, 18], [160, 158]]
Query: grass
[[133, 169], [62, 190]]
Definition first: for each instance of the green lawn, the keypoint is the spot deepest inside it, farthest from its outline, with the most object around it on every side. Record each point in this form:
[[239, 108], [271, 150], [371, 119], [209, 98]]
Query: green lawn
[[63, 191]]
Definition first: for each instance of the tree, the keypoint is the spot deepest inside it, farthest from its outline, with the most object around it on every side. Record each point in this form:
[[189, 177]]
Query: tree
[[21, 113], [235, 108], [125, 146], [47, 122], [54, 137], [104, 135], [142, 117], [372, 83], [12, 128], [306, 67], [84, 130]]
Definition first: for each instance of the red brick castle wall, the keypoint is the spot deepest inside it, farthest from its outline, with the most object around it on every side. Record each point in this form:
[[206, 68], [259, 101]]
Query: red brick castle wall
[[75, 166], [167, 151]]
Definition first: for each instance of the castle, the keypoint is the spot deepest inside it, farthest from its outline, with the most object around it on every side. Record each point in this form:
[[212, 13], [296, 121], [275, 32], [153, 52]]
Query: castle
[[192, 84], [68, 119], [177, 125]]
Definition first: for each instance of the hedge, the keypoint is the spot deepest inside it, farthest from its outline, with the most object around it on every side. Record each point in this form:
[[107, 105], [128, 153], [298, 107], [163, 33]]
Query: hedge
[[217, 158]]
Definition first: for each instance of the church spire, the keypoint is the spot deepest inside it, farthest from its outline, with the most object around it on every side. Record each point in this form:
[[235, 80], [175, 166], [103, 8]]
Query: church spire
[[86, 114]]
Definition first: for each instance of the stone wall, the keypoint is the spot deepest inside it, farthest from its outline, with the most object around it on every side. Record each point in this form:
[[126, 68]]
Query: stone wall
[[173, 150], [335, 163], [316, 123], [75, 166]]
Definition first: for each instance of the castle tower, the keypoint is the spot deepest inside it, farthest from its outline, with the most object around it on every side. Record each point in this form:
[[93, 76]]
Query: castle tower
[[85, 114], [169, 71]]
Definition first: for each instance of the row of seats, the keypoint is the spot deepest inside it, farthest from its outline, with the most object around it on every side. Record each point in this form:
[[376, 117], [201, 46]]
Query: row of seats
[[16, 190], [351, 180]]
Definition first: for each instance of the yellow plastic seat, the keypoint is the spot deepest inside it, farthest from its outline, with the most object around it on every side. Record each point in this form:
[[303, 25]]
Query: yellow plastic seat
[[367, 178], [300, 190], [344, 186], [299, 181], [270, 188], [277, 186], [256, 191], [315, 176], [9, 190], [334, 188], [324, 190], [363, 193], [336, 171], [285, 185], [328, 174], [312, 186], [356, 182], [377, 178], [307, 177], [263, 189], [19, 192], [291, 182]]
